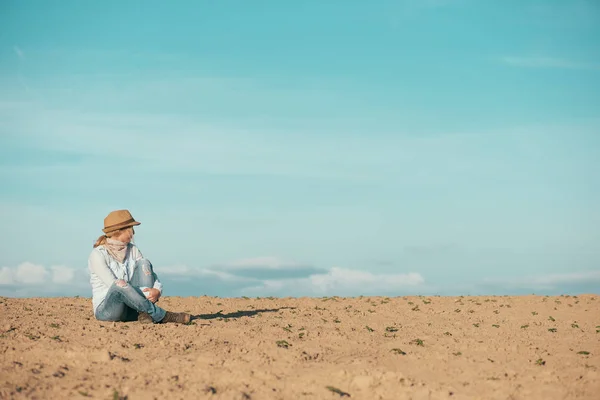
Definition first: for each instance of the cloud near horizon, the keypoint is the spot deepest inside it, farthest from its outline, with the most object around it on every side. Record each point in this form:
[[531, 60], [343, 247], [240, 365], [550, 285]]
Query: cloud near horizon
[[340, 282], [250, 277], [262, 276], [35, 280], [548, 282], [28, 273], [272, 276]]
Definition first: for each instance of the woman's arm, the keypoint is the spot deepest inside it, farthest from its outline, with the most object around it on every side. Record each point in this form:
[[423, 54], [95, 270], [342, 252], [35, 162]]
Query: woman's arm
[[97, 265]]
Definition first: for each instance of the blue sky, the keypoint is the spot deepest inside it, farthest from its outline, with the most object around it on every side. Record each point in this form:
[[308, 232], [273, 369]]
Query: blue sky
[[304, 148]]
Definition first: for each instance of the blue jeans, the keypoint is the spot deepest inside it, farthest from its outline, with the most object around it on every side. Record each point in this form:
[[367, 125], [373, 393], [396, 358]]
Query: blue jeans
[[124, 303]]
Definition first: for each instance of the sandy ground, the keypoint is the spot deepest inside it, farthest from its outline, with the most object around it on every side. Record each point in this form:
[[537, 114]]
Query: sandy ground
[[524, 347]]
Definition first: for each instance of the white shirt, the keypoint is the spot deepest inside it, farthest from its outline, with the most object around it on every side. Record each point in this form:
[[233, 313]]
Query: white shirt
[[105, 270]]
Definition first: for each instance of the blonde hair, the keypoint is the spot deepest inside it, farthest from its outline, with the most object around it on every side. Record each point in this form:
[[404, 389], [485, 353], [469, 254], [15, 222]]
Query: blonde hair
[[102, 239]]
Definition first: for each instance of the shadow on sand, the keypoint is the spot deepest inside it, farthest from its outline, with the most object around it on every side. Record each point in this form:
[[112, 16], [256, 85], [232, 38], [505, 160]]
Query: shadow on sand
[[238, 314]]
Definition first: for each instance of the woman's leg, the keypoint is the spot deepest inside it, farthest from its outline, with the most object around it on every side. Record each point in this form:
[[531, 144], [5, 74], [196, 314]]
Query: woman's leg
[[122, 294], [143, 274], [112, 309]]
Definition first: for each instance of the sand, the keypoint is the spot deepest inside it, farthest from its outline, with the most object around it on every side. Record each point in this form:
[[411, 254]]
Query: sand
[[521, 347]]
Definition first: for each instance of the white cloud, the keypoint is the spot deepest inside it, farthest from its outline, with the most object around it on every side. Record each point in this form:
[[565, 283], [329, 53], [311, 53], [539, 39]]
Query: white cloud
[[574, 277], [30, 274], [546, 62], [265, 276], [547, 281], [62, 274], [341, 282], [185, 271], [268, 262], [6, 276]]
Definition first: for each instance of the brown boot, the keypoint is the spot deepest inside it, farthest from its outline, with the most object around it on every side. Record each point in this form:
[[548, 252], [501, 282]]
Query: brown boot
[[144, 318], [178, 318]]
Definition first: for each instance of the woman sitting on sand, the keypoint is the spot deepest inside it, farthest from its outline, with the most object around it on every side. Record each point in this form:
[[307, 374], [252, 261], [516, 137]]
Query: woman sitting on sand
[[124, 285]]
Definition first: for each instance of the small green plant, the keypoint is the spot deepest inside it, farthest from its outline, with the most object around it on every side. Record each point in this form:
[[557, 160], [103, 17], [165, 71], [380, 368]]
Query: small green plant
[[458, 353], [337, 321], [551, 319], [417, 342], [300, 335], [398, 351], [457, 310], [574, 326], [84, 394], [496, 326], [391, 329], [524, 326], [585, 353], [539, 361], [54, 325], [534, 313], [476, 325], [283, 344], [552, 330], [245, 297], [367, 327], [337, 391], [285, 328], [138, 345], [447, 334]]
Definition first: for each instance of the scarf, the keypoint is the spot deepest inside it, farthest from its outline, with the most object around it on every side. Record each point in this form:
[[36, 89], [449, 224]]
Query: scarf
[[118, 250]]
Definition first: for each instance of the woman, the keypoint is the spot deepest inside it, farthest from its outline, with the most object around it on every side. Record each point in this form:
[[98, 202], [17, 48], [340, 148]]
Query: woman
[[124, 285]]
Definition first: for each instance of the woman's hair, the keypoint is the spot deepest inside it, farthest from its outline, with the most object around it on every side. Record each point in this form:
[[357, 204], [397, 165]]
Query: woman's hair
[[102, 239]]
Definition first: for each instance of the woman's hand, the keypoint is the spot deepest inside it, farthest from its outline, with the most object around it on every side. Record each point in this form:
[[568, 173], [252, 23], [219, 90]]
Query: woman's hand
[[154, 294]]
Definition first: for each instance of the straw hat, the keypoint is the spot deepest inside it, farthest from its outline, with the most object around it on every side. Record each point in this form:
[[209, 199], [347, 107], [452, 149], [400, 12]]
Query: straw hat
[[118, 220]]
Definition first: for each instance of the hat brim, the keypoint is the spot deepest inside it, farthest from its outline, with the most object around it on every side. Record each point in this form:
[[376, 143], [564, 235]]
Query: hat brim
[[120, 226]]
